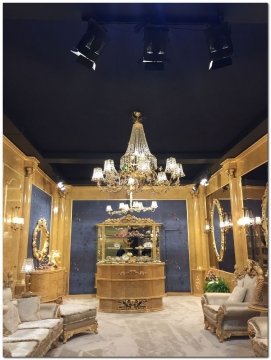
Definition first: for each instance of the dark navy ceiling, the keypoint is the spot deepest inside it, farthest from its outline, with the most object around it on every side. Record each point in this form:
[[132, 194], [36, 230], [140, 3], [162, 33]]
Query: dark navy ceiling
[[72, 118]]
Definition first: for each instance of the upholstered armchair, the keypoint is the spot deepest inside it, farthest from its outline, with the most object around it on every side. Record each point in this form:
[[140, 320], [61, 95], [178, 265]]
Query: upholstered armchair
[[227, 314], [258, 333]]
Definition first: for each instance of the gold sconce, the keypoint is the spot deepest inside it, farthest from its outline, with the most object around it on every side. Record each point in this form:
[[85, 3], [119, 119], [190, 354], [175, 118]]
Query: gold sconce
[[207, 227], [16, 222], [27, 268]]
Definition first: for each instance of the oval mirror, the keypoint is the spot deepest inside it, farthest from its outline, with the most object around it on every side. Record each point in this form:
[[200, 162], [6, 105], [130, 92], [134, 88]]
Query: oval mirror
[[217, 234], [40, 241]]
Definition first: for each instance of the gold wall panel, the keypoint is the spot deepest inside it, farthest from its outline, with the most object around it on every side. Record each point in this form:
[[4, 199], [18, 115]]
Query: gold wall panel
[[198, 281]]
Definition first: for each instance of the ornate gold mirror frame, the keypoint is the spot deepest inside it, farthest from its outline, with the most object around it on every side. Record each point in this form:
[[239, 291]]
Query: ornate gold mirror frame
[[41, 252], [218, 253], [265, 214]]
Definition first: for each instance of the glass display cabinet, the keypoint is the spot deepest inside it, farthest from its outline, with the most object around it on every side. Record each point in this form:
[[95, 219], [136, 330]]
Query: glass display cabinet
[[130, 276], [128, 239]]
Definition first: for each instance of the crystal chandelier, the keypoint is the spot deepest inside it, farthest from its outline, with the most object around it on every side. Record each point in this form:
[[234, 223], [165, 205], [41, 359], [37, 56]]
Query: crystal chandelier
[[135, 206], [138, 167]]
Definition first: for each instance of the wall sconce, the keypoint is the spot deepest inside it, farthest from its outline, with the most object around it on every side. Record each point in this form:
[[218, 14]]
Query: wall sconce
[[207, 226], [226, 223], [27, 268], [16, 221]]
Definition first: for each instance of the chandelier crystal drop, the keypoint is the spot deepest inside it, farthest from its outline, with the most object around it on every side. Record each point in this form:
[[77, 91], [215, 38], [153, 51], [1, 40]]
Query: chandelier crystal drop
[[138, 167]]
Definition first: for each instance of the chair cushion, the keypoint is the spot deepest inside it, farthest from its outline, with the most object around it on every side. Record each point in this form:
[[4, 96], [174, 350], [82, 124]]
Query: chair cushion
[[29, 308], [54, 325], [75, 312], [21, 348], [250, 284], [40, 324], [11, 319], [26, 335], [237, 295]]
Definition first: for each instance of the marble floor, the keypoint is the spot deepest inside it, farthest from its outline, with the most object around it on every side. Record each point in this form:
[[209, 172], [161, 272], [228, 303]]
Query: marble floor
[[177, 331]]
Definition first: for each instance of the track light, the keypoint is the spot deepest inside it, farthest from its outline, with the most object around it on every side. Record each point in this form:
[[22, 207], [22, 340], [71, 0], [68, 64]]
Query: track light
[[61, 186], [90, 46], [220, 46], [204, 181], [155, 39]]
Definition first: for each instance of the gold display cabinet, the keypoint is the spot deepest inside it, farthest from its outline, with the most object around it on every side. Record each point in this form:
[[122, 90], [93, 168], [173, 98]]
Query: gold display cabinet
[[48, 284], [130, 276]]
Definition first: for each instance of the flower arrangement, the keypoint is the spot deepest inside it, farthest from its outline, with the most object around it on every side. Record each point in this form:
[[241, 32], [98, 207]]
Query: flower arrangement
[[214, 283]]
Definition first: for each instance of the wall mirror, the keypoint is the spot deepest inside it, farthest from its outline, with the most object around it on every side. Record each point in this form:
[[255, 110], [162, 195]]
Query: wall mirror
[[221, 243], [40, 241], [217, 234], [255, 198]]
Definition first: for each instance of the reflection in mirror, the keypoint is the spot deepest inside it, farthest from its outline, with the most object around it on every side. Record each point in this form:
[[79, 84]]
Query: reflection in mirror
[[255, 206], [40, 242]]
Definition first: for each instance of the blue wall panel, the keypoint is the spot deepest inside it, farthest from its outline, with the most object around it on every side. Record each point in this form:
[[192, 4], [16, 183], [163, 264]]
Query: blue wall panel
[[173, 243], [41, 205]]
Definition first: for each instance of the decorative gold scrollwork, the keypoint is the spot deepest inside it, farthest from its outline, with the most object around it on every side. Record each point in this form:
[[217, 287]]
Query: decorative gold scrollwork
[[219, 253], [41, 250], [129, 219], [132, 304], [132, 272], [265, 214]]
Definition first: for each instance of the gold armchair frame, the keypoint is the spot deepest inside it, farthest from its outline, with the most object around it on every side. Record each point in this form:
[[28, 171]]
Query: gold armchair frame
[[221, 317]]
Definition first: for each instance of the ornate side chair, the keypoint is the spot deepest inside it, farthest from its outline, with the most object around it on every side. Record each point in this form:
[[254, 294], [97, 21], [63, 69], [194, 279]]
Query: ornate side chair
[[226, 314]]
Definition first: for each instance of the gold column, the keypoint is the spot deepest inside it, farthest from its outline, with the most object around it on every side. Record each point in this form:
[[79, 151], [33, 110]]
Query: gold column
[[62, 231], [30, 167], [200, 243], [191, 229], [62, 223], [197, 230], [54, 225], [236, 197], [205, 258]]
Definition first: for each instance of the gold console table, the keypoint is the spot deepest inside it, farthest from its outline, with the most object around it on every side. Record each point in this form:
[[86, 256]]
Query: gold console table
[[137, 287], [48, 284]]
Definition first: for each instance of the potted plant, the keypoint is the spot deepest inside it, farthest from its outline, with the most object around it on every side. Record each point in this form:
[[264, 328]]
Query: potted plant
[[215, 284]]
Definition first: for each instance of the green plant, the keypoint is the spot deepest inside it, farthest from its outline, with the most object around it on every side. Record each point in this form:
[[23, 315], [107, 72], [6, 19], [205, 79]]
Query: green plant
[[217, 285]]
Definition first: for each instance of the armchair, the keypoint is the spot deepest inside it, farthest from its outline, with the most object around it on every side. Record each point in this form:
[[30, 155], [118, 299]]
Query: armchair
[[227, 314]]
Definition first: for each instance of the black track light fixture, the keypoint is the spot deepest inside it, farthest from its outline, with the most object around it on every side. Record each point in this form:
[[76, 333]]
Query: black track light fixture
[[155, 41], [90, 46], [219, 45]]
